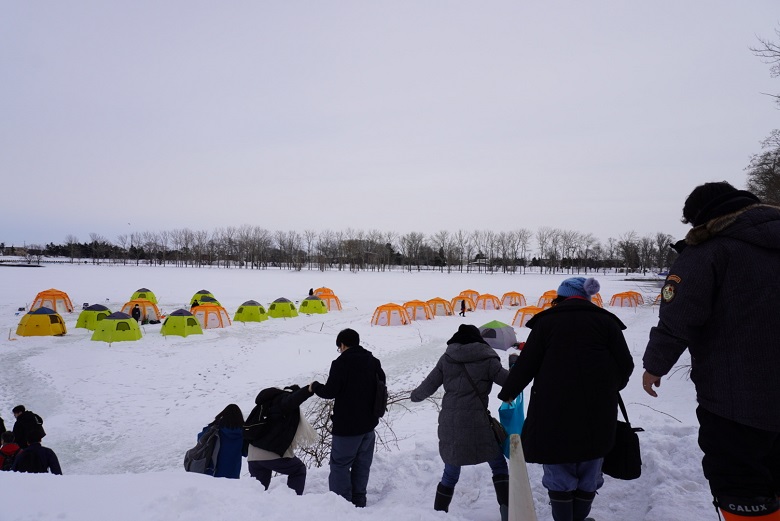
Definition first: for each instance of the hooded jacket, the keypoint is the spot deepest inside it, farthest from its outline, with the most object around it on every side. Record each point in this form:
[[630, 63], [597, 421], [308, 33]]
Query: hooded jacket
[[718, 302], [578, 360], [465, 436]]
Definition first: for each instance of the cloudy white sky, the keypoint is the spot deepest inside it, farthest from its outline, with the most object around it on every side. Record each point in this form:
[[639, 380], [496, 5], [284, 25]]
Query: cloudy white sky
[[399, 115]]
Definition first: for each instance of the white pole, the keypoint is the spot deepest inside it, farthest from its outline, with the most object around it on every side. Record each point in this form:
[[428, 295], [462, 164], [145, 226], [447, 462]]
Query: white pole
[[521, 501]]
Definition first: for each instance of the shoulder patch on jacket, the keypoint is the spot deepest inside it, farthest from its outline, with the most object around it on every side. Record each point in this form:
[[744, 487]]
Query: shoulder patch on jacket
[[673, 278], [668, 292]]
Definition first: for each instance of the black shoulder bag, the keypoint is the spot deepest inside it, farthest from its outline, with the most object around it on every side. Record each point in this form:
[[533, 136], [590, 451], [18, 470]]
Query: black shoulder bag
[[624, 460], [499, 432]]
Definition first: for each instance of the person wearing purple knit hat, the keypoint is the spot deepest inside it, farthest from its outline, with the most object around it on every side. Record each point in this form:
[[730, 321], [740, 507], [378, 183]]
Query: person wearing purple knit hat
[[578, 360]]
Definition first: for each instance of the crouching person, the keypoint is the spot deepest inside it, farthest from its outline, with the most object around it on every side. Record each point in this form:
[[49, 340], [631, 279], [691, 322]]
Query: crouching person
[[36, 458], [273, 430]]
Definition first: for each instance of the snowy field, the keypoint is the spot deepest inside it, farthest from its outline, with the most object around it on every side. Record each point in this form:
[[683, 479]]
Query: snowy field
[[120, 417]]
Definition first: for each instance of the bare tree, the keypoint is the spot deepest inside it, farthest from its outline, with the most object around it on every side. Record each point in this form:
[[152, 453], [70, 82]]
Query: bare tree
[[769, 52], [72, 242]]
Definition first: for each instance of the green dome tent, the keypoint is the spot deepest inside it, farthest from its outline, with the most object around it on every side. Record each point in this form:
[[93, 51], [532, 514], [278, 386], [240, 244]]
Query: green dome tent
[[199, 297], [498, 335], [117, 327], [181, 323], [312, 305], [144, 293], [282, 308], [250, 311], [91, 315]]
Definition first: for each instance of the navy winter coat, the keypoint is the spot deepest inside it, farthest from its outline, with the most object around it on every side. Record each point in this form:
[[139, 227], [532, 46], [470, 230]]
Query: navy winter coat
[[231, 449], [719, 303]]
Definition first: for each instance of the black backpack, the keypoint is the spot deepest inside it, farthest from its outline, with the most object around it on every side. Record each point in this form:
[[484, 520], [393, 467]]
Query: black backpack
[[202, 458], [381, 397]]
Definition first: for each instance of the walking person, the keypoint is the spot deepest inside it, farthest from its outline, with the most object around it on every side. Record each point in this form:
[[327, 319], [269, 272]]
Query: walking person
[[280, 429], [465, 437], [716, 302], [462, 308], [231, 442], [578, 359], [352, 383]]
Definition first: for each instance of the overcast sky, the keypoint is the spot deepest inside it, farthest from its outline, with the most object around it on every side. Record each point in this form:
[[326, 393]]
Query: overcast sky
[[599, 117]]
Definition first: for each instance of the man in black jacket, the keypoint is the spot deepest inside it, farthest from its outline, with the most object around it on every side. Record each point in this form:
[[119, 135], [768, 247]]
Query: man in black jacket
[[717, 302], [352, 382], [28, 425]]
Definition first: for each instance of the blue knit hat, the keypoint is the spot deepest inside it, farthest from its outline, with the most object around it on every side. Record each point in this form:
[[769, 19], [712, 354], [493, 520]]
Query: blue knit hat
[[579, 287]]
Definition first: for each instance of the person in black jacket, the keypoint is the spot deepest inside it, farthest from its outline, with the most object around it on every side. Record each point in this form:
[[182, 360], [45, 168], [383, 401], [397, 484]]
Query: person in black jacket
[[36, 458], [578, 360], [27, 425], [717, 303], [276, 427], [136, 313], [352, 382]]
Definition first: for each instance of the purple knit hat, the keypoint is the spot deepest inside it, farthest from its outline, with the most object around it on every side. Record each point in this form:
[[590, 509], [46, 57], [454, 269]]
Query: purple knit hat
[[579, 287]]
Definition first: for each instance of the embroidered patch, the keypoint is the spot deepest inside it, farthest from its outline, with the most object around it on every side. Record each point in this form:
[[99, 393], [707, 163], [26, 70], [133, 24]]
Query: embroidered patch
[[673, 278], [668, 292]]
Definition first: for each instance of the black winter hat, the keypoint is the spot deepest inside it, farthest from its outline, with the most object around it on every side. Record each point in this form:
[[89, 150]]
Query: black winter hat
[[712, 200]]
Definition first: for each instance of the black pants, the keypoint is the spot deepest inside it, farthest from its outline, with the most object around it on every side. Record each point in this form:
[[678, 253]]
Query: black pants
[[738, 461]]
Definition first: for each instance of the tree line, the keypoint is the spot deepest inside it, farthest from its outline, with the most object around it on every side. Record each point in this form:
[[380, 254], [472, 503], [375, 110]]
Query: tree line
[[253, 247]]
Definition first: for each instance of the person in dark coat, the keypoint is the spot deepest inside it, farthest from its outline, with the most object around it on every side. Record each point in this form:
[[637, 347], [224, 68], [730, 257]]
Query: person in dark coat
[[352, 382], [717, 303], [27, 425], [136, 313], [231, 442], [36, 458], [578, 359], [465, 436], [462, 308], [283, 429]]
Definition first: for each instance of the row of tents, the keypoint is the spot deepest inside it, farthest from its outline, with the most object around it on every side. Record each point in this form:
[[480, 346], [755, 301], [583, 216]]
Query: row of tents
[[205, 313], [392, 314]]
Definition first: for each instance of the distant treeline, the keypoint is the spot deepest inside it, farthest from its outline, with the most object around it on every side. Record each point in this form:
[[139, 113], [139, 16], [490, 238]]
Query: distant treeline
[[253, 247]]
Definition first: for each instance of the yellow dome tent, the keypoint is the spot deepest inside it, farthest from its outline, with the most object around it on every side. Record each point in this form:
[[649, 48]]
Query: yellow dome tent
[[41, 322], [282, 308], [313, 305], [181, 323], [144, 293]]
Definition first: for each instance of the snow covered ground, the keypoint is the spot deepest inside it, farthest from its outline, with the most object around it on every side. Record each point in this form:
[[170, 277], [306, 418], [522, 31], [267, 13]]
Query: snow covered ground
[[120, 417]]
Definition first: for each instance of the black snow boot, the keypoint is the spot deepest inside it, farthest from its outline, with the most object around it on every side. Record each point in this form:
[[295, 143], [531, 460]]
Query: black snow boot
[[582, 502], [443, 498], [561, 504], [501, 484]]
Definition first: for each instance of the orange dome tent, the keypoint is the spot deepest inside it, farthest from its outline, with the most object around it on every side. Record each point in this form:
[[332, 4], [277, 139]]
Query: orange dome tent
[[331, 301], [418, 310], [440, 307], [625, 299], [524, 314], [53, 299], [211, 316], [470, 305], [470, 293], [149, 311], [513, 298], [319, 292], [390, 315], [488, 302], [545, 301]]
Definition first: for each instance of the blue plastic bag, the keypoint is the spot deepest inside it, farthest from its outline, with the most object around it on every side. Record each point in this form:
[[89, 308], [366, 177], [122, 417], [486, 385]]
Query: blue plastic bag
[[511, 415]]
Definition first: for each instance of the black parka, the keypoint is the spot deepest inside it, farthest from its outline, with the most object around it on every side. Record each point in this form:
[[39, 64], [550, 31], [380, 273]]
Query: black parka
[[578, 359], [352, 382]]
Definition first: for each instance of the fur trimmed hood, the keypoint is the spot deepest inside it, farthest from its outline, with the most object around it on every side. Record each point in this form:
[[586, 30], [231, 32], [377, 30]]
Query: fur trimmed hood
[[756, 217]]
